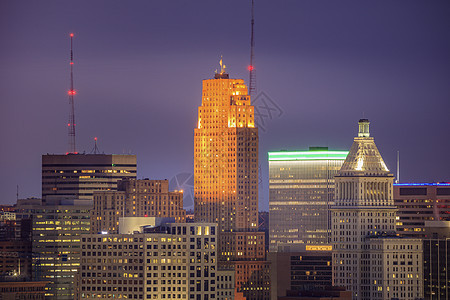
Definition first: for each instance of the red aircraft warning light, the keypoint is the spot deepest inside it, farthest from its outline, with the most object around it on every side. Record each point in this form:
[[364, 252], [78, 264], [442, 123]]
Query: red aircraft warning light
[[250, 68]]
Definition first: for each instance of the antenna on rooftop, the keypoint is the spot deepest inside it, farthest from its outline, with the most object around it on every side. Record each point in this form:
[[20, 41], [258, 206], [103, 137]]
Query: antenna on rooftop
[[398, 167], [95, 150], [71, 93], [251, 67]]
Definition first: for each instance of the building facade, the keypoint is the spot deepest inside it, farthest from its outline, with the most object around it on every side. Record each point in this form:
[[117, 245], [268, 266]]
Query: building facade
[[300, 271], [226, 156], [57, 230], [173, 261], [135, 198], [368, 258], [226, 180], [77, 176], [15, 246], [420, 206], [15, 260], [31, 290], [436, 258], [301, 191]]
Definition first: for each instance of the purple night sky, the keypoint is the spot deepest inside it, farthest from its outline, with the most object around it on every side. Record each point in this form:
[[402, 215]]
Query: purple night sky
[[139, 67]]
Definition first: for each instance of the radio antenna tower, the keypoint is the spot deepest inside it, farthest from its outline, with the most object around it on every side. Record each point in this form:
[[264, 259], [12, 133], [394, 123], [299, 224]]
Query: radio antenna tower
[[71, 93], [251, 67]]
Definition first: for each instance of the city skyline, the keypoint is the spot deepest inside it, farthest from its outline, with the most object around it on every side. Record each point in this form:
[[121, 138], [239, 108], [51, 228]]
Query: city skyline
[[323, 66]]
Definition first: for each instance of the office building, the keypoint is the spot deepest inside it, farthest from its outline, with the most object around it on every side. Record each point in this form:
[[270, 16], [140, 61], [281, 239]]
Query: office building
[[169, 261], [421, 206], [57, 230], [368, 258], [301, 191], [226, 180], [135, 198], [305, 270], [436, 263], [77, 176]]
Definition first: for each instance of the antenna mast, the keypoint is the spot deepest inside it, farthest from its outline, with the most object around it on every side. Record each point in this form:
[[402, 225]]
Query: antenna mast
[[398, 167], [251, 67], [71, 93], [95, 150]]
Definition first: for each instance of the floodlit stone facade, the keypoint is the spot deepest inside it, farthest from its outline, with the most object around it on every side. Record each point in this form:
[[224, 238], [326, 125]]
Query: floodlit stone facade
[[368, 258], [226, 180]]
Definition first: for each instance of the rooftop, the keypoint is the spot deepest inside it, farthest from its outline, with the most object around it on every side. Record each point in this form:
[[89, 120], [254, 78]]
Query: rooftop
[[423, 184], [314, 153]]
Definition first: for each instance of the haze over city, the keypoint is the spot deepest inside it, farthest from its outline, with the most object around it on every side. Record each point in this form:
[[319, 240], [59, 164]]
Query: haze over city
[[139, 67]]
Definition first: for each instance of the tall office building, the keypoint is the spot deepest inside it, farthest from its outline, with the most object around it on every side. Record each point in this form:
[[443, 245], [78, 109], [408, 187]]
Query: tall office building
[[301, 191], [368, 258], [57, 230], [226, 180], [436, 261], [135, 198], [77, 176], [226, 156], [421, 207]]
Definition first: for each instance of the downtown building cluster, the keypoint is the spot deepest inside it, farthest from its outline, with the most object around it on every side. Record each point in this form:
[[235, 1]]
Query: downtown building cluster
[[385, 240], [338, 226]]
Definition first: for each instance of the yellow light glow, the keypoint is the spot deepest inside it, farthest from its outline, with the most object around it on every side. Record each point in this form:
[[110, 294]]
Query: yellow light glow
[[318, 248], [360, 164]]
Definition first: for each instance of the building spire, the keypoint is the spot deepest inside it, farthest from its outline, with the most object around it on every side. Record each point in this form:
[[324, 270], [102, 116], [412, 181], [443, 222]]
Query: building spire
[[363, 128]]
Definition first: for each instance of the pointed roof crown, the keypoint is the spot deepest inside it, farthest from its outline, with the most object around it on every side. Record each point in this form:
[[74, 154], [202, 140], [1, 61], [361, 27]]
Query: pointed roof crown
[[364, 159]]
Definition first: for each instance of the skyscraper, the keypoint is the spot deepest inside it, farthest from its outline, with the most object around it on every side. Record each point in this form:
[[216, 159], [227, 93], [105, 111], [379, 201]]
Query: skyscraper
[[368, 258], [226, 179], [77, 176], [301, 190], [226, 156]]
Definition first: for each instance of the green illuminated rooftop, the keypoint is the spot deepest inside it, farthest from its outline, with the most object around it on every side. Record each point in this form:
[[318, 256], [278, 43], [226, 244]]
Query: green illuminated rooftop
[[312, 154]]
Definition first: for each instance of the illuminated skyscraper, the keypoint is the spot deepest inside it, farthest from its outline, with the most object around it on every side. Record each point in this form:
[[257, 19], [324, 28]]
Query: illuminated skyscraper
[[226, 156], [368, 258], [301, 187], [226, 179]]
